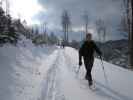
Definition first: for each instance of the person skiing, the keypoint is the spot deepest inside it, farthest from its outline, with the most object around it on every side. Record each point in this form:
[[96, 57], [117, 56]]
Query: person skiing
[[87, 52], [63, 44]]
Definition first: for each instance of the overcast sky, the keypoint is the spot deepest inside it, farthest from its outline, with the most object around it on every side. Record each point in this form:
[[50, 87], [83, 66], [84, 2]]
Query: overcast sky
[[109, 10], [50, 11]]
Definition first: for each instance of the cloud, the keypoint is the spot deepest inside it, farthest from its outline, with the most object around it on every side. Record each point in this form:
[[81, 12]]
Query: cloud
[[25, 9], [108, 10]]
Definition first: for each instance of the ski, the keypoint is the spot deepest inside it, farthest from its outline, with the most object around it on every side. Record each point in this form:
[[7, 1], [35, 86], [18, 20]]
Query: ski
[[92, 87]]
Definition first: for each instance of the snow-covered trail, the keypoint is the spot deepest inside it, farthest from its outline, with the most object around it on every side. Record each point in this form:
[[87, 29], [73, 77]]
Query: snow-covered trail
[[119, 86], [70, 86], [49, 73], [50, 85], [63, 83]]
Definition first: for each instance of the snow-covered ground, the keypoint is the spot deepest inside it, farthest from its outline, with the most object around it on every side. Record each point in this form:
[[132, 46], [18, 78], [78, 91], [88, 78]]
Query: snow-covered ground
[[50, 73]]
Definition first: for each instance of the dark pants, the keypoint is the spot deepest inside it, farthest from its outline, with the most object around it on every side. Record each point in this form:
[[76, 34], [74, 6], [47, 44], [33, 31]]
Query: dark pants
[[88, 66]]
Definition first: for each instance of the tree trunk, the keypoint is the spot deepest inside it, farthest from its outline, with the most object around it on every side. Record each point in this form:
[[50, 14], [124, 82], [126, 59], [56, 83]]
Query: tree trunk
[[131, 36]]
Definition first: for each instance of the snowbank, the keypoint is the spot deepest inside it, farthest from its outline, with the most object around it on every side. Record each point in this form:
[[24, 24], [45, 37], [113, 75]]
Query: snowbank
[[21, 71]]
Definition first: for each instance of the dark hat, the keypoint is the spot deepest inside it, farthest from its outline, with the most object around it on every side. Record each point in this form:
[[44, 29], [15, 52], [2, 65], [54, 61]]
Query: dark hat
[[88, 35]]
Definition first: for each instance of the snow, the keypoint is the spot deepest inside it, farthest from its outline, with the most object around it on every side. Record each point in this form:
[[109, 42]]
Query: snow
[[20, 73], [50, 73]]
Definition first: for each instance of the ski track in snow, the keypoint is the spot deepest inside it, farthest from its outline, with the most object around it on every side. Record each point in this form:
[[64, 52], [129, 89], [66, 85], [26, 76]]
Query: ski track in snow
[[103, 90], [63, 83], [55, 77], [51, 90], [68, 87]]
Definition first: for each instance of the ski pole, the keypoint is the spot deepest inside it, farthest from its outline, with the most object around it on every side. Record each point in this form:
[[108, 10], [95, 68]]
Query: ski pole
[[78, 69], [105, 76]]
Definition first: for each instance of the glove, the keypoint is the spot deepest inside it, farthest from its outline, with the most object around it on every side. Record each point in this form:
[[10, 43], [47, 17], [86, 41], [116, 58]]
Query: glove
[[101, 57], [100, 54], [80, 63]]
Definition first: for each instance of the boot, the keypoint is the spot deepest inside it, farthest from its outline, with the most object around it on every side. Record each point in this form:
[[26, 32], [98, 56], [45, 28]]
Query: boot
[[90, 83], [86, 77]]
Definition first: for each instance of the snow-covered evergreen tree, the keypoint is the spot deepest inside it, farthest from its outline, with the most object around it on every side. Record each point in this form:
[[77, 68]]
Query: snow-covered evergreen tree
[[7, 30]]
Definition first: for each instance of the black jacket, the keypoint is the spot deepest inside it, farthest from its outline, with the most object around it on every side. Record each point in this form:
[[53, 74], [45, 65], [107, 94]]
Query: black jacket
[[87, 51]]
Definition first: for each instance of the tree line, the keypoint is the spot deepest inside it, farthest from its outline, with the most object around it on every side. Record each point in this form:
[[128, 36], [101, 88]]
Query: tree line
[[12, 29]]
